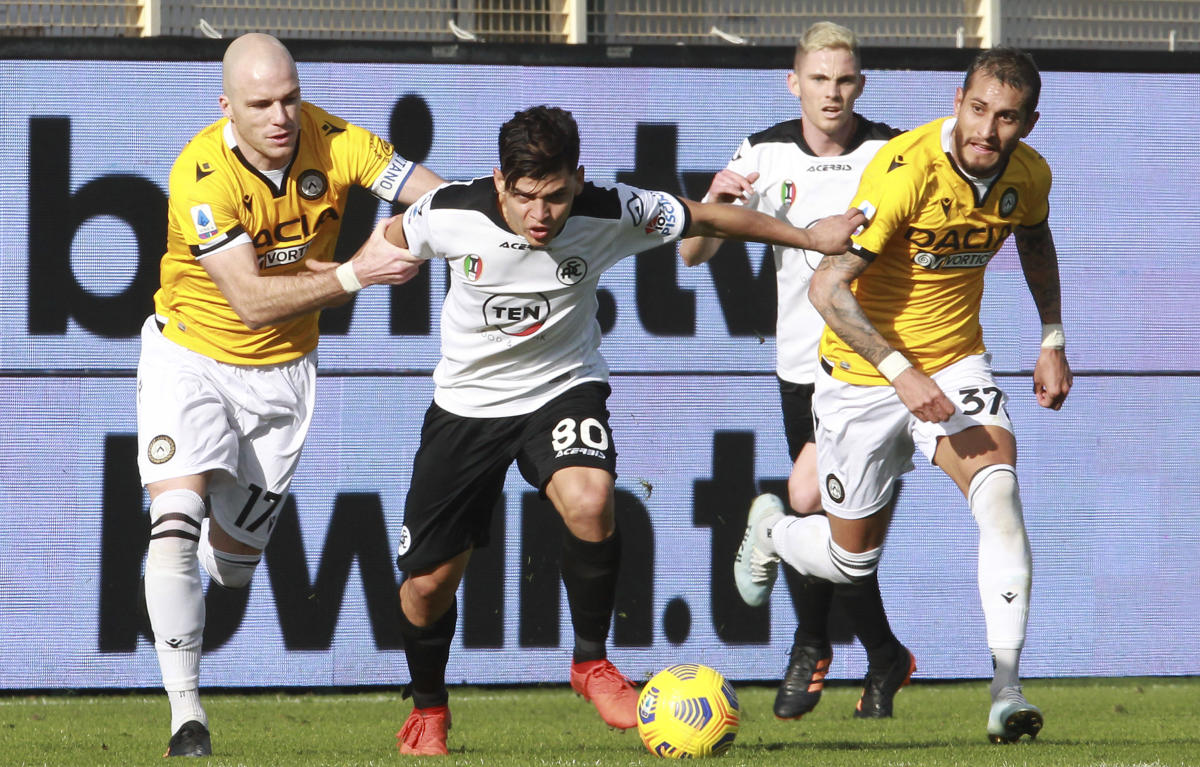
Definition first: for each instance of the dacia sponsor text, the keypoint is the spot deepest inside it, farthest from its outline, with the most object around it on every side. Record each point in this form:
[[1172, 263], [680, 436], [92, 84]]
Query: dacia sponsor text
[[975, 238]]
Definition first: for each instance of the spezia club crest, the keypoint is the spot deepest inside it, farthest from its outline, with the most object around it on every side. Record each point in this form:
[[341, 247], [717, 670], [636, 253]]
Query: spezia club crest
[[1008, 201]]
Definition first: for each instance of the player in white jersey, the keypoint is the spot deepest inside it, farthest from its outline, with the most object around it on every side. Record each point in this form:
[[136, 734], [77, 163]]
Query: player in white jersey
[[521, 379], [227, 373], [800, 171]]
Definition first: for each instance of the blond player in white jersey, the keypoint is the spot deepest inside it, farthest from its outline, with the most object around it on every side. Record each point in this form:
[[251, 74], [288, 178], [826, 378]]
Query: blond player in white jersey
[[800, 171], [227, 372]]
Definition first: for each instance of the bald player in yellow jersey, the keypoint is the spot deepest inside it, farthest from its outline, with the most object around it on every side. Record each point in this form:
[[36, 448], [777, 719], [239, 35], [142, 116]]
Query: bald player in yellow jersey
[[904, 360], [227, 372]]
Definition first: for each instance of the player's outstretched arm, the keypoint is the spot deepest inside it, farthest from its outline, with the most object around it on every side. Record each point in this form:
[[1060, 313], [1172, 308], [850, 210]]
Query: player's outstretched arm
[[733, 222], [420, 182], [260, 300], [829, 291], [1052, 373], [727, 187]]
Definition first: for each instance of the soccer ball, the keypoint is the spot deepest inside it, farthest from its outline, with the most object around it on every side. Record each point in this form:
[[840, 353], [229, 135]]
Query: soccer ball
[[686, 711]]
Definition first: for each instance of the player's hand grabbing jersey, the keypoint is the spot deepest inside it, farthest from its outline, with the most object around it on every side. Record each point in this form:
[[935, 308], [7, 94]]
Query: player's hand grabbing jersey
[[519, 322], [930, 236], [218, 200], [800, 187]]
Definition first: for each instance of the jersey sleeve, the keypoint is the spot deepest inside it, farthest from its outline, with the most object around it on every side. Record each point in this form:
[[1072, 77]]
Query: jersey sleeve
[[373, 163], [205, 206], [417, 229], [652, 218], [1038, 209], [746, 161], [888, 196]]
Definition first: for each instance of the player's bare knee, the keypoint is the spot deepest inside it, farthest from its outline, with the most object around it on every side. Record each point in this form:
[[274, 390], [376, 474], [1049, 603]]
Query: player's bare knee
[[587, 511], [175, 518], [804, 500]]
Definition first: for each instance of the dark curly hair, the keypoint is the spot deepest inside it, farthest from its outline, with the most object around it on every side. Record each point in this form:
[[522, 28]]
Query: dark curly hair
[[538, 142]]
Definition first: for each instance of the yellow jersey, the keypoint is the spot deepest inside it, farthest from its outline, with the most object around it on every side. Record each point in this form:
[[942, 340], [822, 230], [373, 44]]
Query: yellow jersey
[[930, 235], [217, 199]]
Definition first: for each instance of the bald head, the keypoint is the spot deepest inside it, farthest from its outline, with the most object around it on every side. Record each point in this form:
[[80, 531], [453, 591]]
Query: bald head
[[254, 58], [262, 100]]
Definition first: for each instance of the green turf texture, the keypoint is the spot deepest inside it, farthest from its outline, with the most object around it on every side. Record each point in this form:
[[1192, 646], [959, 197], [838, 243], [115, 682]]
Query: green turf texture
[[1142, 722]]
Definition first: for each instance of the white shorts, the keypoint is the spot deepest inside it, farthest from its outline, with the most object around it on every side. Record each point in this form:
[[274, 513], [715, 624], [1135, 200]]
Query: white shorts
[[865, 434], [248, 423]]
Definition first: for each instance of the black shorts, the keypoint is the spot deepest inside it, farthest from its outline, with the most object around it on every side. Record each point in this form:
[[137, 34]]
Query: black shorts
[[459, 469], [796, 399]]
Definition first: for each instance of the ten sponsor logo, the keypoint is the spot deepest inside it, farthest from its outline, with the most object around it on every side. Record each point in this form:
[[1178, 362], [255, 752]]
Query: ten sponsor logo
[[517, 315], [405, 541]]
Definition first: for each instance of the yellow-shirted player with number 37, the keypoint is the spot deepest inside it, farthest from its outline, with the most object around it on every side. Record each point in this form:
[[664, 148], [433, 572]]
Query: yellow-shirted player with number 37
[[227, 372], [904, 360]]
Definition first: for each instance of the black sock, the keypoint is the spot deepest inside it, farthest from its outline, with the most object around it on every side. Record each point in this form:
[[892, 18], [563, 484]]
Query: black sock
[[864, 604], [589, 572], [428, 651], [811, 597]]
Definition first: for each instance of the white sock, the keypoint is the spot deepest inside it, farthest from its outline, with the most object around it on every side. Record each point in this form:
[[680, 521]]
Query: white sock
[[185, 706], [1005, 564], [174, 597], [806, 545], [233, 571]]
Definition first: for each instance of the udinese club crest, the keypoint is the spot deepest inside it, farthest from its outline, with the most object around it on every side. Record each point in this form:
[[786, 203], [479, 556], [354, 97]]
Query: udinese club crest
[[311, 184]]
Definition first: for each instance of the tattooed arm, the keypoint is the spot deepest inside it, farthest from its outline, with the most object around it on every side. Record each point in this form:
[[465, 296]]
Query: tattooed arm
[[1039, 261], [829, 291]]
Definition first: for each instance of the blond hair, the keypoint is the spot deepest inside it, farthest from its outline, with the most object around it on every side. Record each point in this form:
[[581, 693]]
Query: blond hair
[[825, 35]]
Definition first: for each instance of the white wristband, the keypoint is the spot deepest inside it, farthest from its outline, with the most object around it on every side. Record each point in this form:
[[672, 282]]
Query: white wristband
[[893, 365], [346, 276], [1052, 336]]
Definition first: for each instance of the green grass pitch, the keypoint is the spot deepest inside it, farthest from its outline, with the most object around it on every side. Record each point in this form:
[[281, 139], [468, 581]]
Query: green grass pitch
[[1125, 722]]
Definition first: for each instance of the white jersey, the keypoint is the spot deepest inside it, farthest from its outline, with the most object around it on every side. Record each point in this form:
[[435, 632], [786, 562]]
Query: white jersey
[[799, 187], [519, 322]]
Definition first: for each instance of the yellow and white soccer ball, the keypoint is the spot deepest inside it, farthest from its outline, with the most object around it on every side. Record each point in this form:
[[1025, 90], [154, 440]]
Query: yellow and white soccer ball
[[687, 711]]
